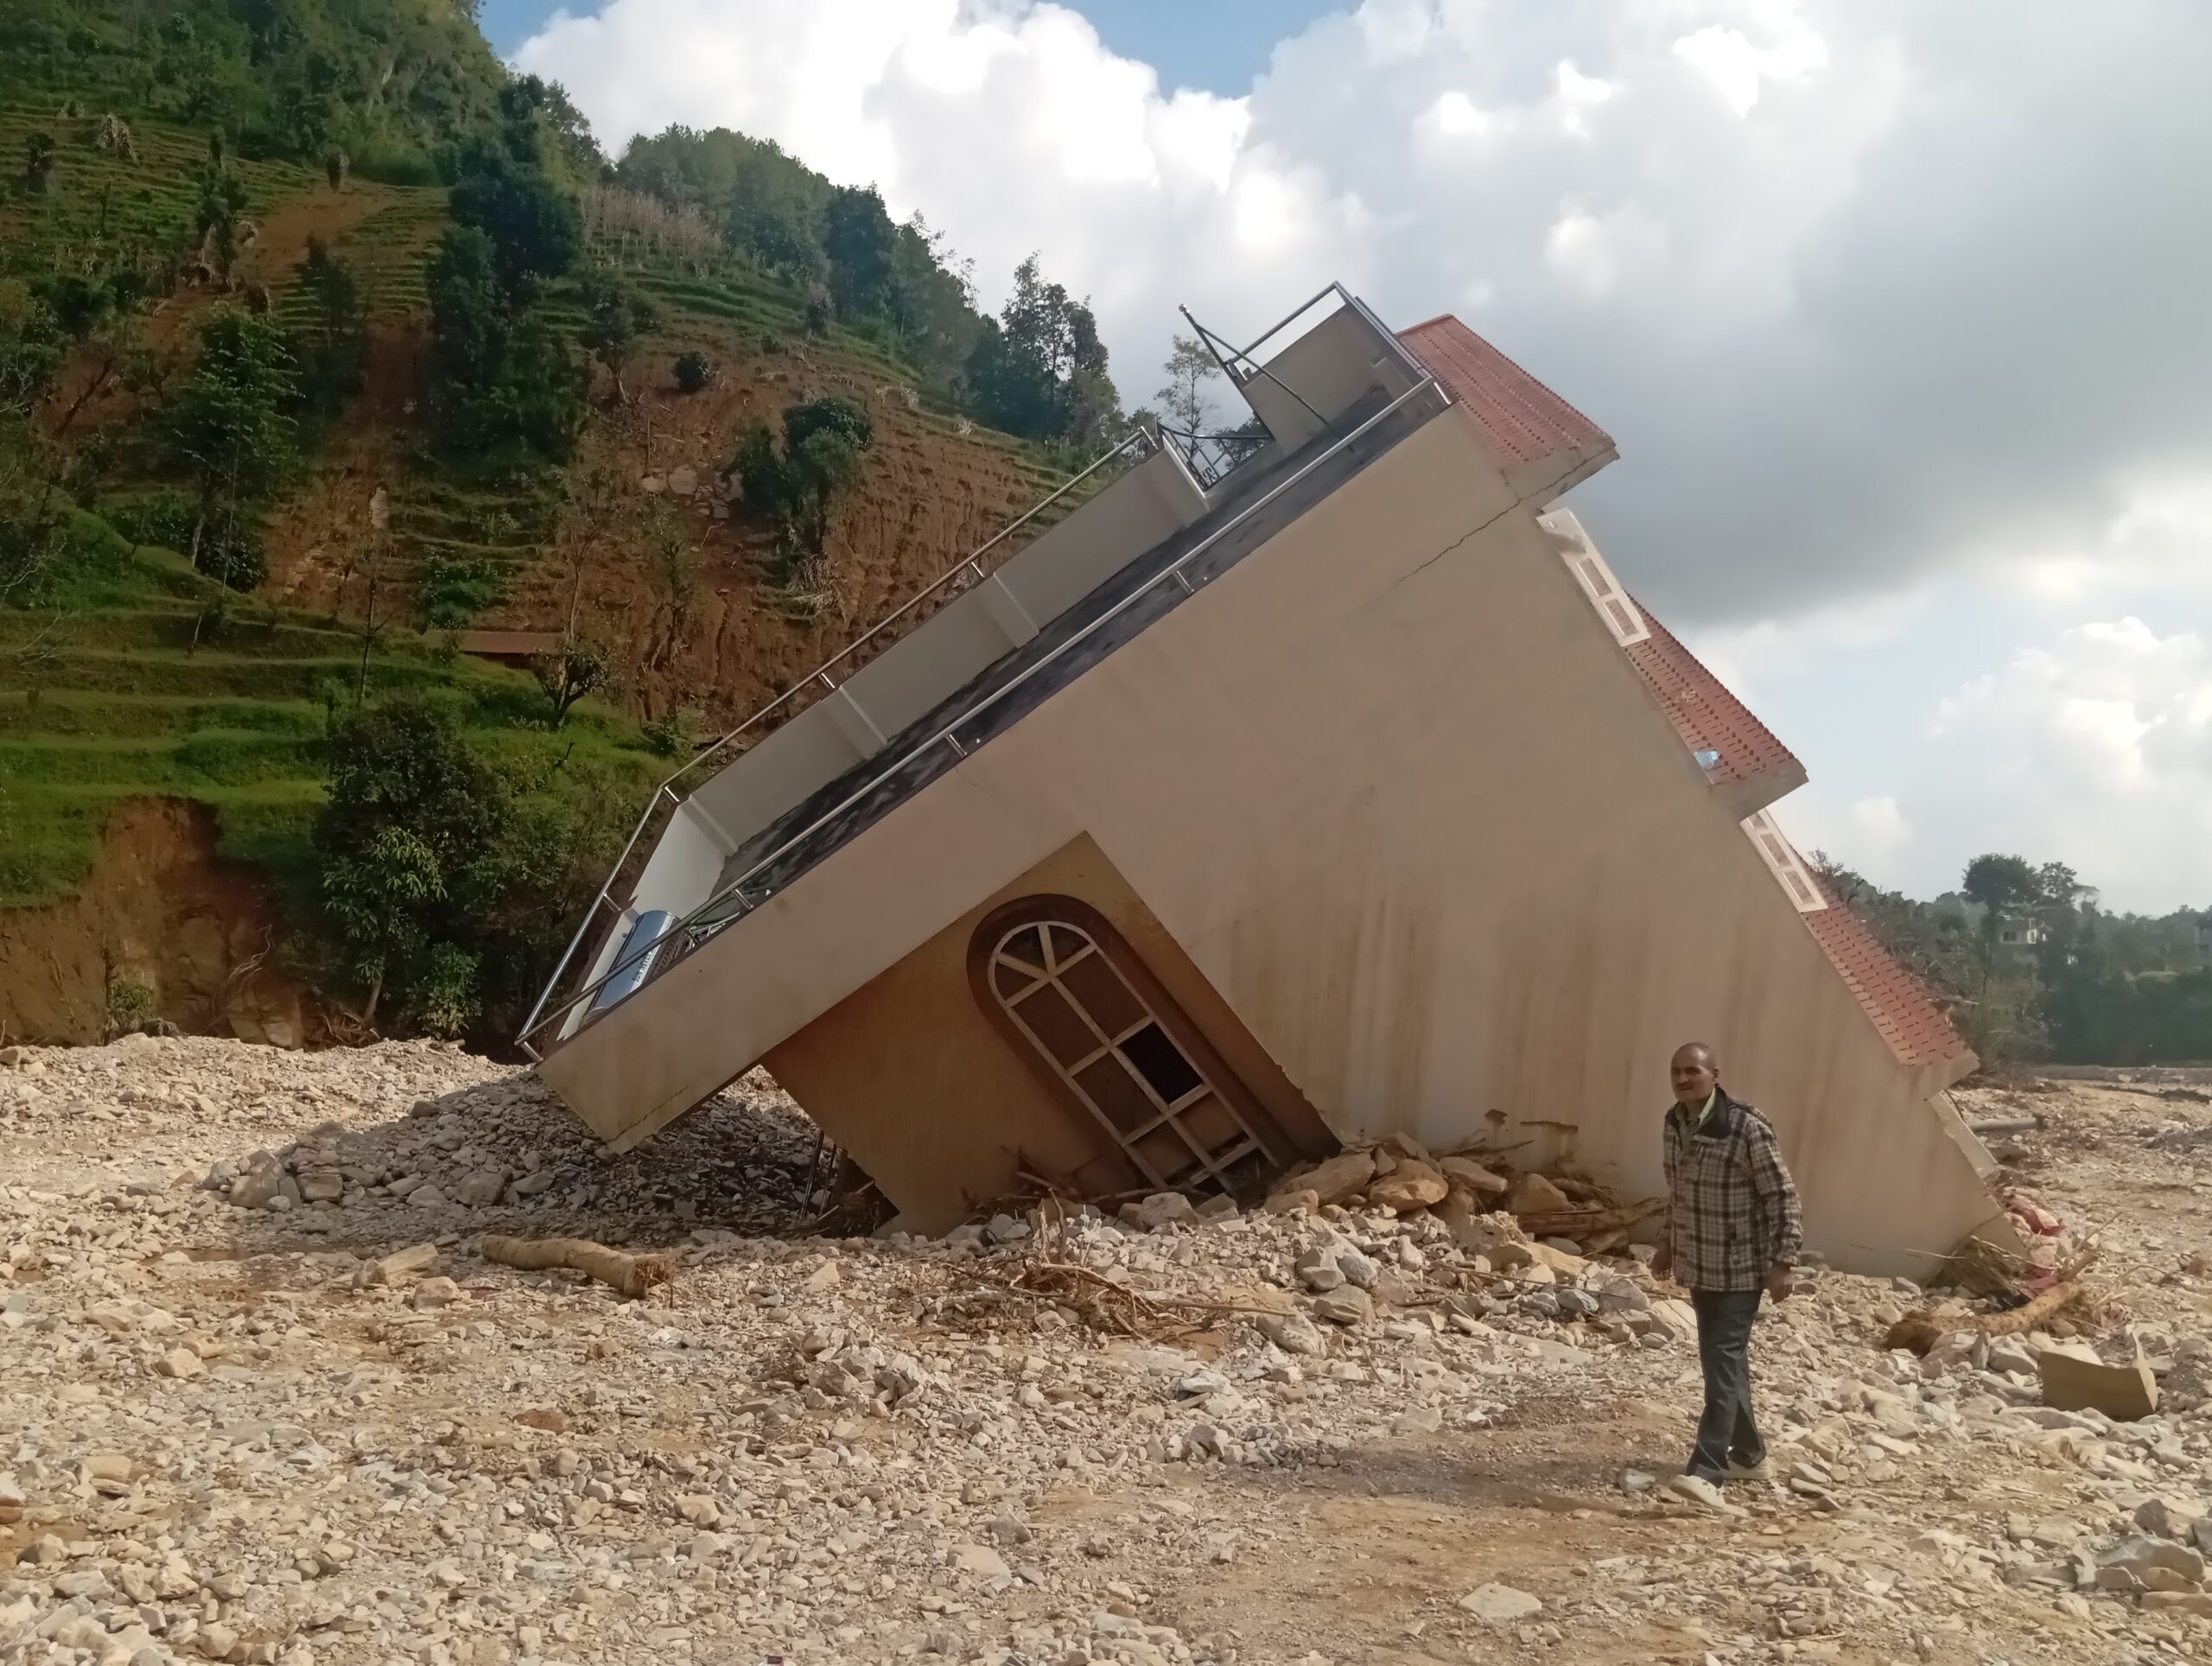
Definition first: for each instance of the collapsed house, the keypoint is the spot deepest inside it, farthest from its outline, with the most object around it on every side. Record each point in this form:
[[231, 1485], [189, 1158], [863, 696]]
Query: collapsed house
[[1301, 787]]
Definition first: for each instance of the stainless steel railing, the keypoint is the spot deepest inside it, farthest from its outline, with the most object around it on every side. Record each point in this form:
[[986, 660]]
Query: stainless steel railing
[[1139, 442], [694, 928]]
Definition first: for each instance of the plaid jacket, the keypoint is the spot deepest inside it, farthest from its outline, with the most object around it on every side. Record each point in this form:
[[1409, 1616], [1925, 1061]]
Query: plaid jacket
[[1732, 1211]]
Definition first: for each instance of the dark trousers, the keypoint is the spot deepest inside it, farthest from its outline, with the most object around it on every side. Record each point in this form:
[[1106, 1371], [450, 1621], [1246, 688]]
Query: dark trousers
[[1724, 1341]]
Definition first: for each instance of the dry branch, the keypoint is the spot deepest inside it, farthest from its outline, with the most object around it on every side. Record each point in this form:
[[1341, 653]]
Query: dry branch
[[631, 1275]]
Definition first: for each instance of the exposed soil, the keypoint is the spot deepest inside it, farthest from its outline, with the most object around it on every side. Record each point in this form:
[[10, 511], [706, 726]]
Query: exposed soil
[[160, 910]]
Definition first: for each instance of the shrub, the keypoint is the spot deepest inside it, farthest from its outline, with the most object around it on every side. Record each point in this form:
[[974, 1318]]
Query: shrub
[[694, 370]]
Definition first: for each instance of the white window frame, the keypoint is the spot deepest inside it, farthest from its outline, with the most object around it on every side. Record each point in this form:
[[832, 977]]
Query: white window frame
[[1599, 587], [1782, 861]]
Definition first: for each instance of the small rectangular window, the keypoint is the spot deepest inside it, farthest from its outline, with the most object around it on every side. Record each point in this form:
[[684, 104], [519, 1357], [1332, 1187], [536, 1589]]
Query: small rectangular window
[[1604, 591], [1782, 861]]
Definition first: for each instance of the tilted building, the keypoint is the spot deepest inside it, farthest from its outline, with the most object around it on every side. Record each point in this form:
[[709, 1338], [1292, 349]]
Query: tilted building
[[1295, 789]]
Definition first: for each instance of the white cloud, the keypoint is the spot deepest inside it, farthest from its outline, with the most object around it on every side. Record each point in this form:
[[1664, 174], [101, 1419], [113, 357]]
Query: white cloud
[[1901, 343], [1880, 824]]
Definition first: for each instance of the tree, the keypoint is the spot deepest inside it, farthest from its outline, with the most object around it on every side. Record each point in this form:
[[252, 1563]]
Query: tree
[[222, 201], [407, 843], [572, 670], [1189, 368], [860, 245], [615, 315], [797, 484], [331, 343], [2002, 884], [694, 371], [675, 571], [232, 426], [40, 155], [1038, 369], [534, 223], [502, 376]]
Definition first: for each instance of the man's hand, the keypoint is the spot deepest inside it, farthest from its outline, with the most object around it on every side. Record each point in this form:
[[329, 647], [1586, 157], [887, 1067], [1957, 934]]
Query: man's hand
[[1779, 1283], [1662, 1263]]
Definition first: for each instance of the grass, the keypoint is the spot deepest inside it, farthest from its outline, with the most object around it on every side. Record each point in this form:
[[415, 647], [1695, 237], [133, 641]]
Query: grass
[[100, 706]]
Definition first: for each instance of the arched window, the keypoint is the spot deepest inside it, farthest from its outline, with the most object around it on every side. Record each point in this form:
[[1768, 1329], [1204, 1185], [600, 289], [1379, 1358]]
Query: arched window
[[1061, 984]]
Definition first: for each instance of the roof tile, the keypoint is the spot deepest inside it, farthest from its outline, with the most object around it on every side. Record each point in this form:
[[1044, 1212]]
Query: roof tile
[[1705, 714], [1915, 1028], [1521, 420]]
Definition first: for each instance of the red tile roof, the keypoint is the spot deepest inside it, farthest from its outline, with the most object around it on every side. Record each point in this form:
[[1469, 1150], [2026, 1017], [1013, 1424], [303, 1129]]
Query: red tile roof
[[1705, 714], [1523, 420], [1914, 1026]]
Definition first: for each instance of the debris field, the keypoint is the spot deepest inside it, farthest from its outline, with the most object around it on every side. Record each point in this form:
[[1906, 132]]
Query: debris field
[[292, 1370]]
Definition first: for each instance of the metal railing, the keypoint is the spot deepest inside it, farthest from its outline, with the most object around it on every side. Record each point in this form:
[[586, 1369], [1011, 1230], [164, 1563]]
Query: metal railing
[[1139, 441], [687, 934], [1212, 458]]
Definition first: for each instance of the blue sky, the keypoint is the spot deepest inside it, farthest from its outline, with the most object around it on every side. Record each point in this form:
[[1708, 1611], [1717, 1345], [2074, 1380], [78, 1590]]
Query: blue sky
[[1902, 343], [1217, 45]]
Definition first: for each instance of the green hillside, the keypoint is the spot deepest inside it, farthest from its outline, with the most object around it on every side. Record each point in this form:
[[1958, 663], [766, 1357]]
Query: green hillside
[[264, 261]]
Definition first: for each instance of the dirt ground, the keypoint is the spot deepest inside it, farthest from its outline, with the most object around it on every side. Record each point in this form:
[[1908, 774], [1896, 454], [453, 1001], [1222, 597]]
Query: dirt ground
[[226, 1436]]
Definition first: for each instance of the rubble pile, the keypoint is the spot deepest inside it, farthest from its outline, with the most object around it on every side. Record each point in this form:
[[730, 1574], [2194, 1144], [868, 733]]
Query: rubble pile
[[263, 1401]]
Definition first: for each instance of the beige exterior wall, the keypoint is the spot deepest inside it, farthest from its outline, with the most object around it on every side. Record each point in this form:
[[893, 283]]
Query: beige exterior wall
[[1402, 802], [931, 1099]]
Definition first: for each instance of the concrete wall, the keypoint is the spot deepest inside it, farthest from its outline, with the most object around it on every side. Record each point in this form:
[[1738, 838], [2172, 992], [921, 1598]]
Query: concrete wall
[[1405, 805], [1148, 504], [1331, 368], [935, 1103]]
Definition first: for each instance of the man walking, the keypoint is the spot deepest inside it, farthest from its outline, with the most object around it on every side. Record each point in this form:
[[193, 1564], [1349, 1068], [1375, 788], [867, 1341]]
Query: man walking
[[1733, 1233]]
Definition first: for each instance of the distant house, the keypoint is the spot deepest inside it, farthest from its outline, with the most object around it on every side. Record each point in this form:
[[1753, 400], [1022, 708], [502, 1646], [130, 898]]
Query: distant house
[[1281, 795]]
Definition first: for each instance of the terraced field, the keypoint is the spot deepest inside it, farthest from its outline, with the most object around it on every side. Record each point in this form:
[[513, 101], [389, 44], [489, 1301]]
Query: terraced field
[[102, 207], [100, 706]]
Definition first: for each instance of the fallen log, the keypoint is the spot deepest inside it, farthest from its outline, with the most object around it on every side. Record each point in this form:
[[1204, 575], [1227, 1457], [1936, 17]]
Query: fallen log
[[631, 1275], [1921, 1330], [2005, 1125]]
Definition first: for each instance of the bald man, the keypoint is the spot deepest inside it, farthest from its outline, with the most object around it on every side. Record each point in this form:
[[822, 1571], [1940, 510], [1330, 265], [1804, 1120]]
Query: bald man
[[1732, 1236]]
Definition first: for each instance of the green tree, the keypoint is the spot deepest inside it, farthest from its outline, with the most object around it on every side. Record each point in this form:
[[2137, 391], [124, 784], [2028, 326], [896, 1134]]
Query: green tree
[[222, 203], [232, 426], [1189, 369], [40, 155], [408, 844], [694, 370], [331, 342], [535, 225], [1038, 369], [502, 378], [572, 670], [798, 483], [2002, 884], [861, 246], [615, 315]]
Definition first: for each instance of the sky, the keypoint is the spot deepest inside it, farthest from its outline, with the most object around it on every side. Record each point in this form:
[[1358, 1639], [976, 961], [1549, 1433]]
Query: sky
[[1895, 310]]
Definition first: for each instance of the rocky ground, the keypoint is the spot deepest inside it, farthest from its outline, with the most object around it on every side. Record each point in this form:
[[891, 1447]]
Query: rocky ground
[[230, 1429]]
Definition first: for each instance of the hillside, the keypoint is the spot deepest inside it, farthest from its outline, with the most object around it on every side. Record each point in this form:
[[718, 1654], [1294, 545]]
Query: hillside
[[323, 343]]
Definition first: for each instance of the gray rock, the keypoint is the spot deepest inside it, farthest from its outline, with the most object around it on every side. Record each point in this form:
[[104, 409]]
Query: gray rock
[[1293, 1333], [2140, 1554], [1349, 1306], [1358, 1267], [1160, 1209], [1318, 1271], [1500, 1604]]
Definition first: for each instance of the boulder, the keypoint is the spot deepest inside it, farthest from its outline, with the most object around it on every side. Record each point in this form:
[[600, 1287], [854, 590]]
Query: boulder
[[1160, 1210], [1532, 1195], [1499, 1605], [1318, 1272], [1349, 1306], [1341, 1177], [1412, 1185], [2142, 1550], [1467, 1172]]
